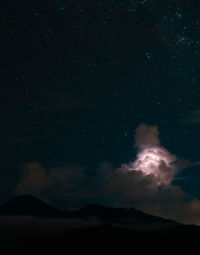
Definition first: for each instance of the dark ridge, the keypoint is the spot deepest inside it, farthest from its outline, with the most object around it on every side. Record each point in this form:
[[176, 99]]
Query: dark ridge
[[28, 205], [109, 235], [108, 213]]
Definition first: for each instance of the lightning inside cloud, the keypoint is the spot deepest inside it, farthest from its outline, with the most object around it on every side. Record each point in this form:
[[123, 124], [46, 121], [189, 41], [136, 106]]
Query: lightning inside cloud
[[145, 184], [152, 158]]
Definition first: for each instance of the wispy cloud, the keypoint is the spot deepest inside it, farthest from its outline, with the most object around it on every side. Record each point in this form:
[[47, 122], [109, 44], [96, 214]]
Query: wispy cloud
[[194, 116]]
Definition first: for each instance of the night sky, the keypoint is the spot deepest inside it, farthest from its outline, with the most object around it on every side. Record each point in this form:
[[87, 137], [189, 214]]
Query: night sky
[[78, 77]]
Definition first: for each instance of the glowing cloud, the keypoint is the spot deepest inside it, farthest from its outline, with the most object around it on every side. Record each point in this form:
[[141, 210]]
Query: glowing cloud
[[157, 161], [152, 158], [145, 184]]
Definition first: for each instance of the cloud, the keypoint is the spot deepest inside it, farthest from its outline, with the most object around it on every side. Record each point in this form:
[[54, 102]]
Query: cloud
[[67, 182], [61, 102], [145, 184], [194, 116], [66, 102], [152, 158], [34, 179], [184, 211], [146, 135]]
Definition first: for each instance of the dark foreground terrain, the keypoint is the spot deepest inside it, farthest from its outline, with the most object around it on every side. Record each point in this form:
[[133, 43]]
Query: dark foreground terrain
[[113, 230], [105, 240]]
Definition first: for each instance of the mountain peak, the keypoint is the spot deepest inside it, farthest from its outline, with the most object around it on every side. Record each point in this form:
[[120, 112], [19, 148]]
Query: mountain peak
[[93, 206], [28, 205], [25, 197]]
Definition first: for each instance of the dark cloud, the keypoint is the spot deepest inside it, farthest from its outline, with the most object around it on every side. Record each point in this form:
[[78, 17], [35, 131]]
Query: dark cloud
[[66, 183], [66, 102], [194, 117], [57, 101], [34, 179], [146, 135]]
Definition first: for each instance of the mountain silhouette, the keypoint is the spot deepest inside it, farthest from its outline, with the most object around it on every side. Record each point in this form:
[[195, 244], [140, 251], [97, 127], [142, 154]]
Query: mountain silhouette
[[121, 217], [108, 213], [28, 205], [116, 229]]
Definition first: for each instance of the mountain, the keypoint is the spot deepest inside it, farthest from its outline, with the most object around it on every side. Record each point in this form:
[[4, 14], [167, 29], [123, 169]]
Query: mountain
[[122, 217], [116, 229], [109, 213], [28, 205]]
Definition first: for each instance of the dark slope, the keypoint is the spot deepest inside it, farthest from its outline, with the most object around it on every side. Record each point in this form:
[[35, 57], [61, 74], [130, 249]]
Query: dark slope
[[109, 213], [108, 237], [122, 217], [28, 205], [117, 217]]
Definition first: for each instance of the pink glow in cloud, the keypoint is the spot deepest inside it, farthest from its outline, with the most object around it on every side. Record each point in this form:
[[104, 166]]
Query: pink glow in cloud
[[152, 158]]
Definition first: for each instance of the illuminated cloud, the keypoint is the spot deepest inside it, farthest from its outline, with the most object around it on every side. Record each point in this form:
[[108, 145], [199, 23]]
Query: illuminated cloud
[[145, 184], [152, 158]]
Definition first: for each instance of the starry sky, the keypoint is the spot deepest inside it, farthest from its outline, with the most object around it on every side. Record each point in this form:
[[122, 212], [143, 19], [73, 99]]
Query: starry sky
[[78, 77]]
